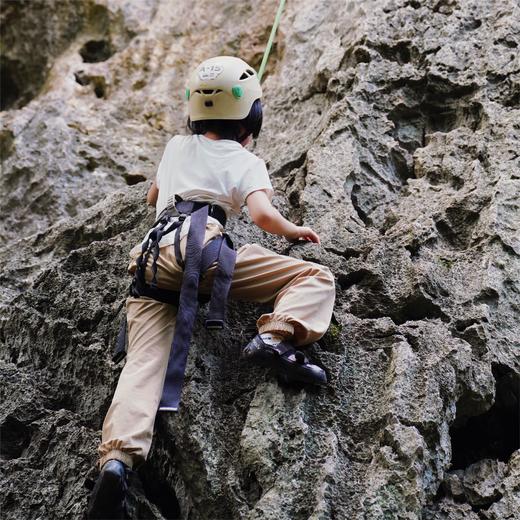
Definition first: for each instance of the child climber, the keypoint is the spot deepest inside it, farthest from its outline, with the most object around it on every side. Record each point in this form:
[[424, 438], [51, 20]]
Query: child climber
[[203, 179]]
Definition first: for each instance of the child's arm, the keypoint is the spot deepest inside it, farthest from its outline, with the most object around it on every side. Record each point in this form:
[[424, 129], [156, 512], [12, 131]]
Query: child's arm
[[268, 218], [153, 193]]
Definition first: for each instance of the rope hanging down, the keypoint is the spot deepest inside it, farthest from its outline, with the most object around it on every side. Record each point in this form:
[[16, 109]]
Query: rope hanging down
[[271, 39]]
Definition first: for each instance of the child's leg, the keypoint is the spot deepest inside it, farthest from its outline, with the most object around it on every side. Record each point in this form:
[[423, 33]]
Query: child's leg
[[128, 426], [302, 292]]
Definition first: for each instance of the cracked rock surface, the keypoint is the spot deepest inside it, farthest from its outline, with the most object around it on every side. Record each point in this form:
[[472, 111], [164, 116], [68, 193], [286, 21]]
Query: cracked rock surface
[[392, 127]]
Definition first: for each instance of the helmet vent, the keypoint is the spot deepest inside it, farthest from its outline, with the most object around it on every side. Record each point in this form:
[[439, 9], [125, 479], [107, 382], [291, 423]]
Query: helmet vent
[[208, 104], [247, 74], [208, 92]]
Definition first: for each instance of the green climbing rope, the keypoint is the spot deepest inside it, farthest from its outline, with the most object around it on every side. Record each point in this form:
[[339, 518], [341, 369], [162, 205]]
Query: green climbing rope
[[271, 39]]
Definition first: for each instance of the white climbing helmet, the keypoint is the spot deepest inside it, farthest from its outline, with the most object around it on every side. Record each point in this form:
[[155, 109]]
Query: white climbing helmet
[[222, 88]]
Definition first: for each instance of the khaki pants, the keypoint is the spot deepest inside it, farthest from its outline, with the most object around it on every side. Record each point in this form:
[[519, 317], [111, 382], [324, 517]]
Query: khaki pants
[[302, 294]]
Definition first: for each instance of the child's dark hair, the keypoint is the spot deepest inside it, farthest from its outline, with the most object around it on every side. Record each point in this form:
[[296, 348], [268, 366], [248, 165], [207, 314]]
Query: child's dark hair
[[234, 129]]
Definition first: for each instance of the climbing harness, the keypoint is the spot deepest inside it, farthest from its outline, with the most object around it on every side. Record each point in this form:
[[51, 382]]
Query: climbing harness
[[198, 259]]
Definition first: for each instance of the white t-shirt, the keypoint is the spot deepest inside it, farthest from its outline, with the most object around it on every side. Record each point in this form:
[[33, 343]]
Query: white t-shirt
[[218, 171]]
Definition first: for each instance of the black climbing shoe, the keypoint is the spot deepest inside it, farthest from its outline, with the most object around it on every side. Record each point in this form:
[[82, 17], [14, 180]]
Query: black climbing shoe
[[291, 364], [107, 501]]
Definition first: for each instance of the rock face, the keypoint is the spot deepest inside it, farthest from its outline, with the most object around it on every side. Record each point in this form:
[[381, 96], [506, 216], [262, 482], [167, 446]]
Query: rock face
[[393, 129]]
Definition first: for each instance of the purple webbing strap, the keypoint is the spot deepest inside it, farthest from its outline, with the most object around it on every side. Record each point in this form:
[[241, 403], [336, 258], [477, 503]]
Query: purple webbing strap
[[187, 311], [221, 285]]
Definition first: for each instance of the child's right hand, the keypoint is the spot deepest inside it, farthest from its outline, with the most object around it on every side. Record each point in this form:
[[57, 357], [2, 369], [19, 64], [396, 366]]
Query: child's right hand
[[303, 233]]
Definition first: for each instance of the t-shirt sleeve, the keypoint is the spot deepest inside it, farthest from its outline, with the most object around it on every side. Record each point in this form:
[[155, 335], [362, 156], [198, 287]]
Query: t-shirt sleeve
[[162, 170], [255, 178]]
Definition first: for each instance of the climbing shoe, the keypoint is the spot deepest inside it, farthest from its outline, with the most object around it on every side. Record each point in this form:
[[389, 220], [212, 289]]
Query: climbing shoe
[[289, 363], [107, 501]]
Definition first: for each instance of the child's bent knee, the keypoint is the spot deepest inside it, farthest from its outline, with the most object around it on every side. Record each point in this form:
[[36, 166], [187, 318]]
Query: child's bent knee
[[324, 273], [328, 274]]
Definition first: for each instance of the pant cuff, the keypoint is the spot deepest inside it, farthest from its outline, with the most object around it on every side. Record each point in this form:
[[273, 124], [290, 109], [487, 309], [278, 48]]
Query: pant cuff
[[123, 457], [281, 327]]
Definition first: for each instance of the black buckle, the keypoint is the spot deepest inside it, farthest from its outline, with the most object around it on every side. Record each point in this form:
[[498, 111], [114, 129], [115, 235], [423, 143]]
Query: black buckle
[[214, 324], [216, 212], [116, 358]]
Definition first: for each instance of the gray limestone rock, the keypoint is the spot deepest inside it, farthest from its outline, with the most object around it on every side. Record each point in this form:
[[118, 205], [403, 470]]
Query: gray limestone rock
[[392, 128], [482, 481]]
